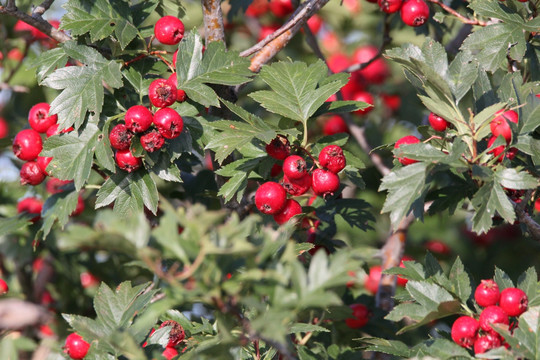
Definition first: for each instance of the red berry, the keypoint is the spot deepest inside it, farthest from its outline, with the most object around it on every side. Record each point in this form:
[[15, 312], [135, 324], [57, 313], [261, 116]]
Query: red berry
[[414, 12], [294, 167], [338, 62], [177, 333], [27, 144], [437, 122], [138, 119], [335, 125], [378, 70], [162, 93], [79, 208], [257, 8], [39, 118], [409, 139], [174, 57], [355, 84], [30, 205], [537, 205], [180, 94], [276, 170], [270, 198], [315, 23], [169, 30], [4, 288], [498, 151], [152, 141], [390, 6], [464, 331], [365, 97], [492, 315], [266, 30], [290, 209], [88, 280], [279, 148], [331, 157], [53, 130], [281, 8], [486, 342], [393, 102], [127, 161], [487, 293], [169, 352], [31, 174], [168, 122], [120, 137], [360, 316], [4, 128], [324, 182], [499, 125], [55, 185], [371, 283], [514, 301], [76, 347], [43, 162], [438, 247], [297, 187]]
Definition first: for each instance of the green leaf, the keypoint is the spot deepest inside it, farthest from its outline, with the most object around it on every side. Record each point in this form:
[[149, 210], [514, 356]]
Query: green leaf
[[356, 212], [460, 281], [530, 114], [392, 347], [301, 327], [502, 279], [528, 282], [13, 224], [511, 178], [129, 192], [100, 18], [496, 10], [236, 184], [483, 119], [463, 72], [441, 349], [421, 152], [489, 200], [483, 93], [49, 61], [58, 207], [340, 107], [528, 333]]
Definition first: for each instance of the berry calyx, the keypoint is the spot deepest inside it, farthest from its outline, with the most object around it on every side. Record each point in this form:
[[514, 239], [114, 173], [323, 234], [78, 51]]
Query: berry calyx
[[414, 12], [31, 174], [409, 139], [324, 182], [499, 125], [492, 315], [279, 148], [290, 209], [332, 158], [138, 119], [486, 342], [360, 316], [27, 144], [169, 30], [270, 198], [487, 293], [4, 288], [30, 205], [76, 347], [297, 187], [162, 93], [168, 122], [43, 162], [335, 125], [127, 161], [514, 301], [464, 331], [437, 122], [177, 333], [152, 141], [294, 167], [120, 137], [39, 119]]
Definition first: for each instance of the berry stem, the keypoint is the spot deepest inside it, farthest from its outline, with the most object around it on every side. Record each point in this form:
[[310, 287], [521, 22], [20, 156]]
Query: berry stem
[[460, 17]]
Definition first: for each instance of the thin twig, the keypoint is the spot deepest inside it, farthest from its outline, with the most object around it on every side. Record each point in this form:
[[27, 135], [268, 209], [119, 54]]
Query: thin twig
[[41, 8], [460, 17]]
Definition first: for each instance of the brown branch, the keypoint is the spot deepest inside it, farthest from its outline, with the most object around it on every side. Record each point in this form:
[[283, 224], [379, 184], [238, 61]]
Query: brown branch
[[16, 314], [213, 21], [41, 8], [460, 17], [524, 218]]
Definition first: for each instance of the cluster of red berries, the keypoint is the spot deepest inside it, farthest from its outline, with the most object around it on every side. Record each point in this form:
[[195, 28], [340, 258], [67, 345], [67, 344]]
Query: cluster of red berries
[[412, 12], [176, 337], [271, 197], [500, 127], [499, 308]]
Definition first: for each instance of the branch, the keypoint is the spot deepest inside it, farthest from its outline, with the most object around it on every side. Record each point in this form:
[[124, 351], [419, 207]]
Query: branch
[[213, 21], [525, 218], [460, 17], [16, 314], [41, 8]]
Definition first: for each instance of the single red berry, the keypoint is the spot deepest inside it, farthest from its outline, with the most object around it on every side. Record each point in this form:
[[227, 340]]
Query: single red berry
[[168, 122], [76, 347], [127, 161], [537, 205], [4, 288], [514, 301], [279, 148], [360, 316], [162, 93], [152, 141], [487, 293], [88, 280], [281, 8], [27, 144], [290, 209], [499, 125], [138, 119], [55, 185], [486, 342], [297, 187], [257, 8], [464, 331], [180, 94], [390, 6], [414, 12], [371, 282], [53, 130], [332, 158], [169, 353], [294, 167], [174, 57], [79, 208], [492, 315], [438, 247], [392, 102], [39, 118], [270, 198], [338, 62], [437, 122], [324, 182], [335, 125], [409, 139], [498, 151], [315, 23], [120, 137], [169, 30], [31, 174], [177, 333], [43, 162], [366, 97], [4, 128], [31, 205], [355, 84]]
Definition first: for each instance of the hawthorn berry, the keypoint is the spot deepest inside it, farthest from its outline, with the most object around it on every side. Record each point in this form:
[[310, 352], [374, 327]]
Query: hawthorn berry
[[401, 281], [55, 186], [355, 84], [314, 23], [270, 198], [492, 315], [371, 282], [276, 170], [391, 101], [180, 94], [294, 167], [76, 347], [279, 148], [127, 161], [332, 158], [360, 316], [324, 182], [498, 151], [338, 62], [465, 331], [257, 8], [169, 30], [168, 122], [437, 122], [513, 301], [266, 30], [390, 6], [281, 8], [290, 209], [4, 128], [499, 125], [437, 247], [79, 208], [138, 119], [335, 125], [169, 353], [4, 288], [377, 71], [30, 205], [486, 342], [39, 118], [162, 93], [152, 141], [31, 174], [367, 98], [409, 139], [27, 144], [88, 280], [487, 293], [120, 137], [414, 12], [177, 333], [43, 162], [297, 187]]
